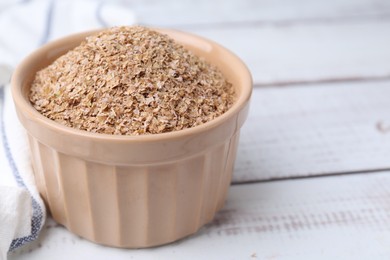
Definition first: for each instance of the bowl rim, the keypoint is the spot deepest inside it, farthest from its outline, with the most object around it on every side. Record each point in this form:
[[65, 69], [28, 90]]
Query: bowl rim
[[32, 114]]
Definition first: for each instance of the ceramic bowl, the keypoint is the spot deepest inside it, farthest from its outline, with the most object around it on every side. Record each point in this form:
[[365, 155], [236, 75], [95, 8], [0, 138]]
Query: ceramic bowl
[[133, 191]]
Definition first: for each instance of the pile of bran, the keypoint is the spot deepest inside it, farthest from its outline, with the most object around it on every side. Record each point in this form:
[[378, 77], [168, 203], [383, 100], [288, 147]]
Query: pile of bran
[[131, 81]]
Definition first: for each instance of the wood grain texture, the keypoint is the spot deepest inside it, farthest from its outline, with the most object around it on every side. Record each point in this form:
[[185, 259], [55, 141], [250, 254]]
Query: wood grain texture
[[325, 218], [204, 13], [314, 130]]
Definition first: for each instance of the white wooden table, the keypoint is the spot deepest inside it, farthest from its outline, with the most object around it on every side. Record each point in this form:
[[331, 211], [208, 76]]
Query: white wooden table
[[312, 177]]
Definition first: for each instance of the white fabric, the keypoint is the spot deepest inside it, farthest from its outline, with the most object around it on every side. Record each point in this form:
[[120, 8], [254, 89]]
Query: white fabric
[[22, 212], [15, 216], [24, 26]]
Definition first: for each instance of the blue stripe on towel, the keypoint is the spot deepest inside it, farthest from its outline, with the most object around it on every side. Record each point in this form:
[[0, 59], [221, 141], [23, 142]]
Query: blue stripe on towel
[[37, 214]]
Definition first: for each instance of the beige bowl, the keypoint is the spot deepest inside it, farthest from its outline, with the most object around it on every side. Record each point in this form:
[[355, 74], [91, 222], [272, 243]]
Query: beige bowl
[[133, 191]]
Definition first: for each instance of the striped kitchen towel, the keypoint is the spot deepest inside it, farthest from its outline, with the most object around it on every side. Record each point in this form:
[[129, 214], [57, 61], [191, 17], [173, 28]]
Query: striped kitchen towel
[[22, 212], [24, 26]]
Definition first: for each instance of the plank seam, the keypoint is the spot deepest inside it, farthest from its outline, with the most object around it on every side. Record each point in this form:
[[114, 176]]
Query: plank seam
[[279, 24], [287, 178], [322, 81]]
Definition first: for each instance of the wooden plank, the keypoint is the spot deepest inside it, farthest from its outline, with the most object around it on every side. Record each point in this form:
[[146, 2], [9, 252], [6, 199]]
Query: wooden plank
[[315, 130], [309, 52], [291, 52], [189, 13], [278, 40], [324, 218]]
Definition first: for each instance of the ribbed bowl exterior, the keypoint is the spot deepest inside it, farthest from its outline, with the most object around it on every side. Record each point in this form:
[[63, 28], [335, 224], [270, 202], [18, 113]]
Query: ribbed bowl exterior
[[134, 191], [134, 206]]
